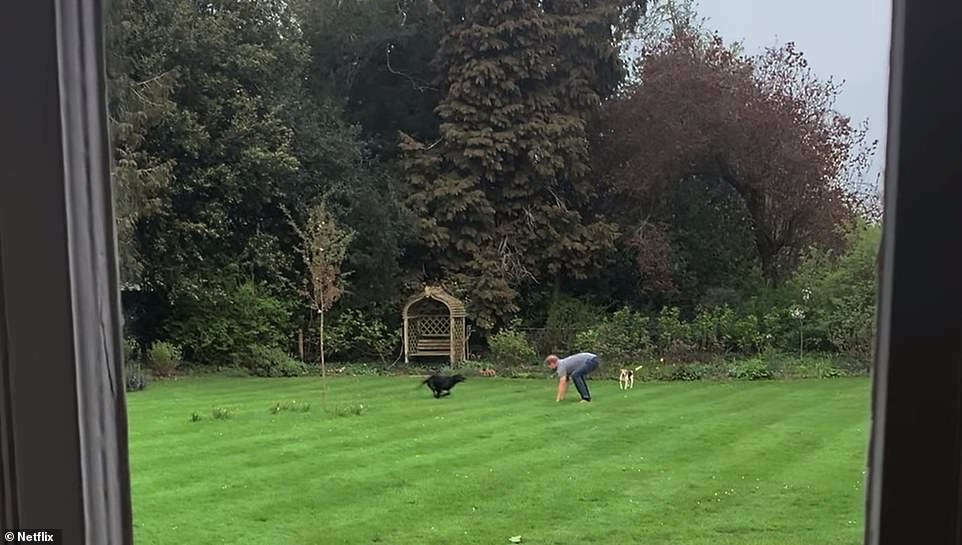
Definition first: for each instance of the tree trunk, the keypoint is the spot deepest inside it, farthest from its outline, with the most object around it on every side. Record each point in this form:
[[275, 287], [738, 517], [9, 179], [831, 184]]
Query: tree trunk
[[300, 343], [801, 340], [556, 290], [323, 367]]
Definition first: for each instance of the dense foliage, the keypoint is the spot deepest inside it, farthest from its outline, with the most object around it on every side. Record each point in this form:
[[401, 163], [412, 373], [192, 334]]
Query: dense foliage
[[676, 206]]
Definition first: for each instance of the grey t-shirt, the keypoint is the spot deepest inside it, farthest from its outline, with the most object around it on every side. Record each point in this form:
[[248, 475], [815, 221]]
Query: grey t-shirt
[[573, 363]]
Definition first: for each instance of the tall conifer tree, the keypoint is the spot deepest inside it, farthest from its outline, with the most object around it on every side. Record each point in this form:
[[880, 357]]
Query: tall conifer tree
[[503, 194]]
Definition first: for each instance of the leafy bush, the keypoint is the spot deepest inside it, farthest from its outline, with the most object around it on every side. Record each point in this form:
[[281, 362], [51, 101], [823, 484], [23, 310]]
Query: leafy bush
[[134, 377], [765, 323], [816, 366], [510, 348], [567, 318], [220, 326], [164, 358], [273, 362], [591, 337], [841, 293], [751, 369], [712, 329], [131, 350], [354, 334], [745, 335], [674, 335], [621, 339], [665, 372], [854, 331]]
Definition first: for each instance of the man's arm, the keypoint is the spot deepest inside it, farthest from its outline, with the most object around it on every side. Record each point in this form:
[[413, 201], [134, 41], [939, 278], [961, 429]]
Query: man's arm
[[562, 388]]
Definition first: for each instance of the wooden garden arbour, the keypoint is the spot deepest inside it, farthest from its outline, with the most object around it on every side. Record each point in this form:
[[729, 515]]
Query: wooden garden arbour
[[434, 325]]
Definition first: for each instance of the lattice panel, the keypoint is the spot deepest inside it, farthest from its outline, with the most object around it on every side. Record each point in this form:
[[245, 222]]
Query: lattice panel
[[458, 340], [412, 337], [432, 325]]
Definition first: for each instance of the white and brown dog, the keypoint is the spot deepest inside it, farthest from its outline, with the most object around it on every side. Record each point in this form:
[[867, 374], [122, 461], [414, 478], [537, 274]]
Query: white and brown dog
[[627, 378]]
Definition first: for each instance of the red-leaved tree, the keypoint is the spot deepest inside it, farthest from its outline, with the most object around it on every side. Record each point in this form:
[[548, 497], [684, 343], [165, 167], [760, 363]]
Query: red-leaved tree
[[766, 125]]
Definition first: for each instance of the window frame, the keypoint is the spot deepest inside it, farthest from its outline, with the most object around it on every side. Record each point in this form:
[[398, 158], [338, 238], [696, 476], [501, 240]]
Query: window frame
[[63, 421], [915, 453], [61, 367]]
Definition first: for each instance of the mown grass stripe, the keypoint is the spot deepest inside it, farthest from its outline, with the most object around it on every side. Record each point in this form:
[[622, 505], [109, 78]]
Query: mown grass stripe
[[307, 478]]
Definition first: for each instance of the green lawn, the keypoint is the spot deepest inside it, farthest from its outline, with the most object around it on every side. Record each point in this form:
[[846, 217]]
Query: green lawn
[[777, 463]]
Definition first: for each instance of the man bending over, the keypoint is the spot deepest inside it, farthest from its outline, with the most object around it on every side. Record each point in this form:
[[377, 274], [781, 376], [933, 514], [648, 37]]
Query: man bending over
[[573, 368]]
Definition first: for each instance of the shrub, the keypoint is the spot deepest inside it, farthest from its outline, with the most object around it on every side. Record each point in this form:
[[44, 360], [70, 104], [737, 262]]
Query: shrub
[[354, 334], [745, 335], [854, 331], [842, 292], [510, 348], [764, 322], [819, 366], [751, 369], [593, 337], [220, 326], [273, 362], [131, 350], [712, 329], [134, 377], [674, 335], [621, 339], [164, 358], [567, 318]]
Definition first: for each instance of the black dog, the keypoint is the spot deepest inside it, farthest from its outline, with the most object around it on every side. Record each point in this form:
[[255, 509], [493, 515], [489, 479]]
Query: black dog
[[441, 385]]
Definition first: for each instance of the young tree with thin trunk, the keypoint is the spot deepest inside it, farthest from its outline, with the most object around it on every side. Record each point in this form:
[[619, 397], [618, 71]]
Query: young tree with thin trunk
[[324, 248]]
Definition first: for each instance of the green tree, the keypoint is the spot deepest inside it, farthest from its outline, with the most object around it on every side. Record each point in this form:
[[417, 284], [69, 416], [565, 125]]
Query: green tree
[[373, 58], [359, 92], [840, 293], [502, 196], [236, 65], [712, 238], [139, 91], [362, 194], [219, 124]]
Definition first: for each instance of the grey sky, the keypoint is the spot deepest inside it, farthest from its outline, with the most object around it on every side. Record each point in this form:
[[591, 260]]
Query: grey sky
[[845, 39]]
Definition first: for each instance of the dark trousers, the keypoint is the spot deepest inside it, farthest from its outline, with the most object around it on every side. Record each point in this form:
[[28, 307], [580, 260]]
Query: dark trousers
[[579, 378]]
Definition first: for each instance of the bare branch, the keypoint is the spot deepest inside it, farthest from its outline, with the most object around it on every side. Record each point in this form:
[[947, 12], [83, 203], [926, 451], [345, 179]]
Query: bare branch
[[418, 86]]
